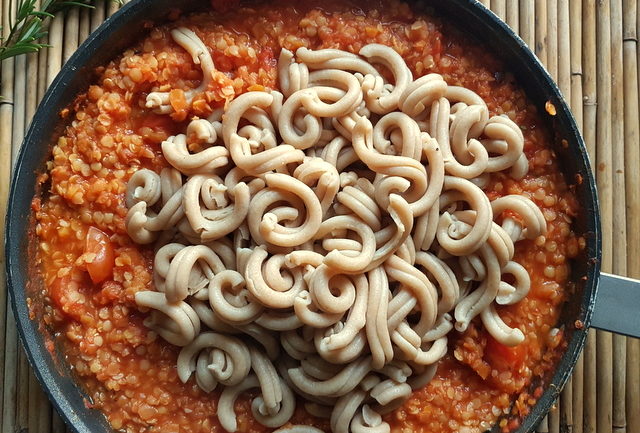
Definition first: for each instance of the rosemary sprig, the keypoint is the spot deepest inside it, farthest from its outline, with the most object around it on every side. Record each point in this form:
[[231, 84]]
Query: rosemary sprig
[[28, 28]]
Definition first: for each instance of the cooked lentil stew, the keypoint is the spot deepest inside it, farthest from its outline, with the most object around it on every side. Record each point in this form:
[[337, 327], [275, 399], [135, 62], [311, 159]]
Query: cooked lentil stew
[[92, 270]]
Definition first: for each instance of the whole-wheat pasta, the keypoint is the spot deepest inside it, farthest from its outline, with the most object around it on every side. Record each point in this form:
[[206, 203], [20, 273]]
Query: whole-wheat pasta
[[448, 234], [498, 329], [203, 130], [230, 365], [368, 421], [144, 185], [257, 285], [275, 233], [175, 322], [534, 222], [208, 160], [324, 176], [342, 355], [240, 148], [334, 59], [292, 76], [308, 312], [179, 280], [296, 345], [509, 294], [143, 224], [229, 299], [505, 138], [345, 409], [228, 397], [469, 157], [188, 40], [345, 334], [421, 93], [388, 99], [445, 278], [209, 318], [340, 384], [330, 236], [377, 331], [338, 86]]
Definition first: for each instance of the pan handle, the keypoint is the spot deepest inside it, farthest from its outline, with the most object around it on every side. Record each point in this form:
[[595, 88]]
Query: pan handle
[[617, 306]]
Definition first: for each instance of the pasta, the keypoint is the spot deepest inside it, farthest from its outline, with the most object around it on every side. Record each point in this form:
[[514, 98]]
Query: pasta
[[330, 236]]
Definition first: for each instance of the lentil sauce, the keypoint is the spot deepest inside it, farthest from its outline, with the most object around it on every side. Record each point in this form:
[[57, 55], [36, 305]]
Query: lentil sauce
[[128, 372]]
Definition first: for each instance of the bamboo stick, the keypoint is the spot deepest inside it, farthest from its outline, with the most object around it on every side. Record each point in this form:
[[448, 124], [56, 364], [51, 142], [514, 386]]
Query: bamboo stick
[[564, 49], [575, 30], [32, 388], [10, 380], [566, 407], [8, 337], [33, 405], [527, 22], [589, 76], [541, 30], [551, 42], [499, 8], [513, 15], [54, 60], [71, 31], [575, 42], [42, 74], [577, 380], [619, 423], [554, 418], [540, 48], [543, 427], [97, 14], [32, 94], [564, 419], [552, 38], [619, 355], [589, 407], [57, 424], [112, 7], [85, 24], [513, 18], [22, 390], [39, 407], [604, 178], [632, 195], [633, 368], [19, 104], [20, 369], [6, 113]]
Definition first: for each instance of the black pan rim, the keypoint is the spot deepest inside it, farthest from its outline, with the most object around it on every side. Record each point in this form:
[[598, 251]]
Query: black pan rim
[[72, 407]]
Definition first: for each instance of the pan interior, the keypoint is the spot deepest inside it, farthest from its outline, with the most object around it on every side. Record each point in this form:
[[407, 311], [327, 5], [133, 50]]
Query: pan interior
[[121, 31]]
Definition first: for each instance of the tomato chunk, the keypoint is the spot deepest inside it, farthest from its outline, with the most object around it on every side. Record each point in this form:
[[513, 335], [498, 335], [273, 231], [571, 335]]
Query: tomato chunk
[[101, 267], [65, 293], [504, 357]]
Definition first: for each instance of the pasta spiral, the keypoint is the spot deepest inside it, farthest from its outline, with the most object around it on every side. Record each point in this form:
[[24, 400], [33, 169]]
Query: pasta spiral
[[329, 237]]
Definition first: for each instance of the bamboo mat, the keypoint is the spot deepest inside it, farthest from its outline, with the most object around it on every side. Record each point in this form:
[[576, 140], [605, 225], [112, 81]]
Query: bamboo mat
[[590, 47]]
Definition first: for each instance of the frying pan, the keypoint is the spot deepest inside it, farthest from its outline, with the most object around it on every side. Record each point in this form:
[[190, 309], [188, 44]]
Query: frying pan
[[597, 299]]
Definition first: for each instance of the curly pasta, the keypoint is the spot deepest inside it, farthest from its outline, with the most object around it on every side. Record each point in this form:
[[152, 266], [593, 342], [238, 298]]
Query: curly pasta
[[329, 237]]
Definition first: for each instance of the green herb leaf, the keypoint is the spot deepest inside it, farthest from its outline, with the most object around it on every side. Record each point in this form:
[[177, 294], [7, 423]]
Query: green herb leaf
[[29, 25]]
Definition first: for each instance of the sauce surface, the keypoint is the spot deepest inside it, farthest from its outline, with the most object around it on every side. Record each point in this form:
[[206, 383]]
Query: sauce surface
[[127, 370]]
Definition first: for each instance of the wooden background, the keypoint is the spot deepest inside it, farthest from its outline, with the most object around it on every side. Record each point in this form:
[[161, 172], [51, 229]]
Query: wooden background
[[589, 46]]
